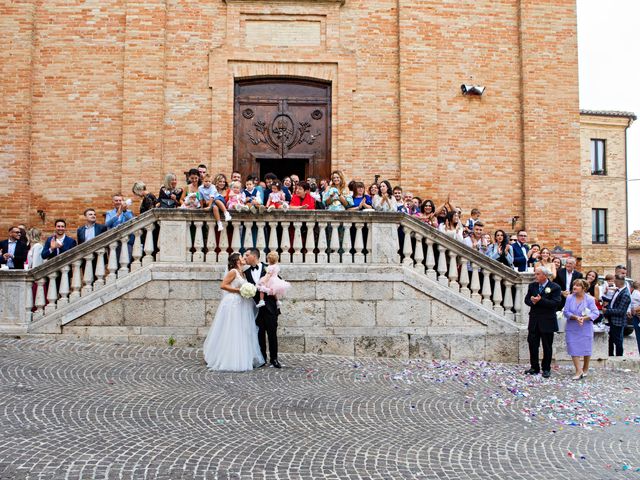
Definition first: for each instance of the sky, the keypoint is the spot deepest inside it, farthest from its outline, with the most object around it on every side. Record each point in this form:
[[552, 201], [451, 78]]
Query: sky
[[610, 74]]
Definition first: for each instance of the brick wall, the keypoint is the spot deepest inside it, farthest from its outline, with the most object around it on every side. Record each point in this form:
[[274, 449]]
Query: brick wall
[[106, 93]]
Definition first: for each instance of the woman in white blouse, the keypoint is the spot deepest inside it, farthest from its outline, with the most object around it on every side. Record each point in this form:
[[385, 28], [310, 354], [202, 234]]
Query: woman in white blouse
[[452, 226], [385, 201], [34, 257]]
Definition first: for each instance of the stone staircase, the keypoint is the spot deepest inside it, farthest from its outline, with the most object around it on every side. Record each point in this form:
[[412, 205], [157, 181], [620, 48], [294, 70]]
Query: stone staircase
[[363, 283]]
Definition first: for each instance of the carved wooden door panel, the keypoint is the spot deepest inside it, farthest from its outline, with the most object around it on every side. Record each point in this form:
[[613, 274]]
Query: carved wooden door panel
[[282, 126]]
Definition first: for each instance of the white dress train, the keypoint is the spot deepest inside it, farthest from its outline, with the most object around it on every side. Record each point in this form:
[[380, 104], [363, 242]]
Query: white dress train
[[232, 342]]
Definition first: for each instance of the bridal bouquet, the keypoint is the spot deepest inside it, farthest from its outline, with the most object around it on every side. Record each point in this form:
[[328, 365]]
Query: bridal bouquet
[[248, 290]]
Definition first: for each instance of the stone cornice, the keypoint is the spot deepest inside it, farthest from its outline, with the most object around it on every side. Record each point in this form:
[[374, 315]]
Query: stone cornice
[[341, 2]]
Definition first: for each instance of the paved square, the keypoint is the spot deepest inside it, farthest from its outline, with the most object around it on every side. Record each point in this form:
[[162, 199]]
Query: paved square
[[99, 411]]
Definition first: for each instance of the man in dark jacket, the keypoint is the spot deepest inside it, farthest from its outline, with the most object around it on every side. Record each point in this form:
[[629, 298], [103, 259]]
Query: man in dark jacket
[[544, 298], [616, 312], [13, 252]]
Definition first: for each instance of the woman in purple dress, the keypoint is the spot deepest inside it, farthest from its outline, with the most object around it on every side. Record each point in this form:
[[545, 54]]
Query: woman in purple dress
[[580, 311]]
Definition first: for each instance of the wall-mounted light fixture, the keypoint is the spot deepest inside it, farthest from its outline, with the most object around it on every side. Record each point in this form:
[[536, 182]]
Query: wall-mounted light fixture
[[472, 89], [43, 216]]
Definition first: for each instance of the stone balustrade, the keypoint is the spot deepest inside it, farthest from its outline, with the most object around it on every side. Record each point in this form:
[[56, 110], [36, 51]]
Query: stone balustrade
[[317, 238]]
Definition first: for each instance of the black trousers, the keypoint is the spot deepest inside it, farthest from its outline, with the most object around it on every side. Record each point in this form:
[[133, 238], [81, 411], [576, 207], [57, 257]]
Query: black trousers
[[534, 339], [267, 328], [616, 339]]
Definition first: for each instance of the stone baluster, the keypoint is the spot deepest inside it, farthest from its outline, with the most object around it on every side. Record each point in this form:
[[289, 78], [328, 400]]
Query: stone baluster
[[136, 252], [189, 243], [28, 302], [418, 254], [87, 278], [52, 293], [347, 243], [369, 242], [149, 246], [310, 243], [123, 271], [273, 236], [334, 244], [236, 240], [508, 301], [223, 245], [407, 251], [211, 242], [453, 271], [113, 263], [64, 285], [198, 243], [261, 242], [322, 242], [518, 303], [486, 289], [431, 260], [358, 244], [76, 280], [497, 295], [40, 300], [464, 277], [100, 271], [285, 243], [297, 242], [475, 283], [442, 265]]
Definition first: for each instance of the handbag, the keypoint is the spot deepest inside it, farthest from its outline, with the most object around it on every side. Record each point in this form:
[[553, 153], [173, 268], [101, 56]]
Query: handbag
[[562, 321]]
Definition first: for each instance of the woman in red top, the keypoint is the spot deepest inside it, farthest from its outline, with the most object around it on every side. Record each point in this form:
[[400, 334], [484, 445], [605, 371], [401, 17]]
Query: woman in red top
[[302, 199]]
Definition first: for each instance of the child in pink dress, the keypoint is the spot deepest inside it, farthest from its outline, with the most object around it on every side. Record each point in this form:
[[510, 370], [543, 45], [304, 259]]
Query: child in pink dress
[[271, 283], [237, 197], [276, 198]]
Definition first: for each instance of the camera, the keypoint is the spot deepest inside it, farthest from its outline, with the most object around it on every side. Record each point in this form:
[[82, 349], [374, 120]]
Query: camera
[[128, 202]]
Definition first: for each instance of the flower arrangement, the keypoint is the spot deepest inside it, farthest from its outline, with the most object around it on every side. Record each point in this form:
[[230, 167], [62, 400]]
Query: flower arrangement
[[248, 290], [547, 290]]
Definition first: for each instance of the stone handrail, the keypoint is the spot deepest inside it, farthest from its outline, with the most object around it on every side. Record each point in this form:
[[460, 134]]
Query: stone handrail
[[302, 237]]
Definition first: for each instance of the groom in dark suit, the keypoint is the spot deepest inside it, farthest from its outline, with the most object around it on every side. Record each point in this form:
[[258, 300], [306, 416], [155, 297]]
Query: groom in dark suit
[[267, 319], [544, 298]]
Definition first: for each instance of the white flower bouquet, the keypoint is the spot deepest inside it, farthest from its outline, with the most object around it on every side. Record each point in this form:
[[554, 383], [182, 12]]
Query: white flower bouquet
[[248, 290]]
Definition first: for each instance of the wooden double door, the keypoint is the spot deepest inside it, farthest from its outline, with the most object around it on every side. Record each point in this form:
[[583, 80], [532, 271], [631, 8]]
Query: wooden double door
[[283, 126]]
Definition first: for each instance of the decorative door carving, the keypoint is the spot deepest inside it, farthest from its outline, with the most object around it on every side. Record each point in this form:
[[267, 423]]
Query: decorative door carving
[[283, 126]]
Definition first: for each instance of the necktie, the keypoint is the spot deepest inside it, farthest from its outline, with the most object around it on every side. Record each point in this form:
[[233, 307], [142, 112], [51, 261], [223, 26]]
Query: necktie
[[540, 288]]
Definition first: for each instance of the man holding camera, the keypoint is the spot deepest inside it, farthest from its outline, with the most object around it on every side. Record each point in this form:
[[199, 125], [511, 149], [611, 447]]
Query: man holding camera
[[120, 213]]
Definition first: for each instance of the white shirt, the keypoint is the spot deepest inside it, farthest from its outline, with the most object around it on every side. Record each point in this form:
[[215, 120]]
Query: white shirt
[[635, 301], [255, 274], [34, 257], [11, 250], [568, 282], [615, 296], [89, 232]]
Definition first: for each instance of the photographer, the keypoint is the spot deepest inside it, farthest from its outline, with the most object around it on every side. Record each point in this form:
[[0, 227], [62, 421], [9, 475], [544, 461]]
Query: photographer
[[120, 213]]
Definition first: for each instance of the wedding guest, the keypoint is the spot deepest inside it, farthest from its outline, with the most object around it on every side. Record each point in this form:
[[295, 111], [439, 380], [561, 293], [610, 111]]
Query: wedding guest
[[215, 199], [90, 229], [428, 213], [24, 238], [237, 199], [566, 276], [120, 213], [295, 180], [373, 191], [616, 312], [222, 187], [192, 198], [476, 240], [557, 262], [543, 298], [276, 199], [271, 178], [417, 201], [533, 255], [13, 252], [453, 226], [252, 195], [34, 257], [359, 198], [635, 310], [236, 176], [486, 239], [202, 171], [302, 200], [337, 197], [149, 200], [594, 288], [170, 195], [500, 250], [397, 194], [547, 261], [475, 217], [385, 201], [286, 181], [521, 251], [59, 242], [580, 311]]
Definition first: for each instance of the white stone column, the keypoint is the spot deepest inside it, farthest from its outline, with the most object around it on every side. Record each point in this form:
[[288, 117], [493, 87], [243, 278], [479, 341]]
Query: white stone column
[[87, 278], [464, 277], [431, 261], [52, 293], [212, 257], [508, 300], [358, 256], [407, 251], [113, 263], [76, 280], [285, 243], [149, 246], [297, 242], [136, 252], [64, 285], [100, 270], [40, 300], [486, 289], [442, 265], [475, 283], [453, 271], [497, 295], [123, 271]]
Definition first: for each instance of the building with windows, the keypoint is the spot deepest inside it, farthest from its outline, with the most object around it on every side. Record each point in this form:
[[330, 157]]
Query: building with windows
[[603, 146]]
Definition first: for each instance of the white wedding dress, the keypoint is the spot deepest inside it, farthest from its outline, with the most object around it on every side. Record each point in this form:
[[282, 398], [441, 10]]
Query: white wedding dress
[[232, 342]]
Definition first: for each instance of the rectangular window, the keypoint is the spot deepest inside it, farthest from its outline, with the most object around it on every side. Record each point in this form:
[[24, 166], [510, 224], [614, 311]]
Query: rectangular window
[[598, 166], [599, 225]]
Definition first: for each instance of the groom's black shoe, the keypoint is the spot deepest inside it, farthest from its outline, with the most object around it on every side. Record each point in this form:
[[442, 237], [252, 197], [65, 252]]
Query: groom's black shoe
[[531, 371], [275, 364]]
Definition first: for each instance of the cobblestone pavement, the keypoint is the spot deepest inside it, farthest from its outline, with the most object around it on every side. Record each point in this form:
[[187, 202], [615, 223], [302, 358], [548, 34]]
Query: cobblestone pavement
[[99, 411]]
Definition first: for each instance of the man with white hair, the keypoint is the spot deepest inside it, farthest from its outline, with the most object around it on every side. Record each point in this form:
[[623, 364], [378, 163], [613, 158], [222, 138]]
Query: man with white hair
[[544, 298], [566, 276]]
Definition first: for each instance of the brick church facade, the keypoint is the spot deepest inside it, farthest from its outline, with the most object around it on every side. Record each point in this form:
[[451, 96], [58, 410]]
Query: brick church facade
[[99, 94]]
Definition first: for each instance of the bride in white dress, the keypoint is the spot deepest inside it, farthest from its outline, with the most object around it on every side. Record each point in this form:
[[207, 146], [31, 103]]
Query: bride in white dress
[[232, 342]]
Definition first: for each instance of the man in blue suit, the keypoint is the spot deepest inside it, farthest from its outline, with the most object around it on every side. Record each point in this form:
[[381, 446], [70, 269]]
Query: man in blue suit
[[616, 312], [91, 229], [13, 252], [520, 251], [58, 243], [120, 213]]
